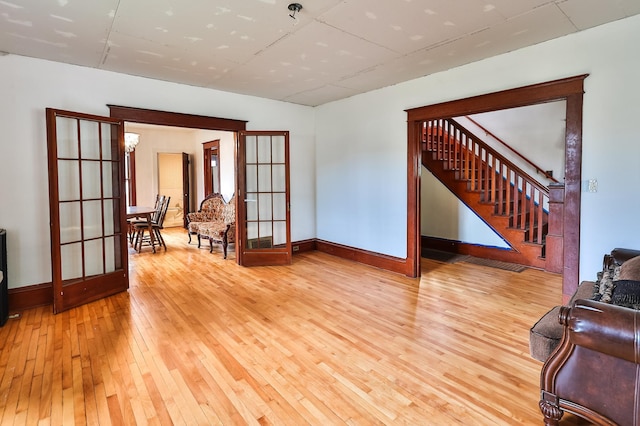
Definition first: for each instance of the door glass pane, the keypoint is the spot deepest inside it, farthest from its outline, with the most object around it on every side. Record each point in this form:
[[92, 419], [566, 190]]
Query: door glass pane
[[279, 233], [92, 214], [90, 180], [93, 257], [89, 140], [279, 178], [251, 149], [279, 206], [277, 149], [252, 231], [108, 217], [264, 206], [114, 216], [264, 149], [252, 206], [252, 178], [69, 222], [108, 151], [110, 253], [264, 178], [68, 180], [67, 137], [71, 257], [108, 171], [265, 232]]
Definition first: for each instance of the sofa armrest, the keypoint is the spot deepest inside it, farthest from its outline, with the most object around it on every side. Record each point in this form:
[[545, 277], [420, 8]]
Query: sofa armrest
[[605, 328]]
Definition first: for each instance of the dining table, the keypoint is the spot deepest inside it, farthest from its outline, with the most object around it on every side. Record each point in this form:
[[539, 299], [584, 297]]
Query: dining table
[[147, 213]]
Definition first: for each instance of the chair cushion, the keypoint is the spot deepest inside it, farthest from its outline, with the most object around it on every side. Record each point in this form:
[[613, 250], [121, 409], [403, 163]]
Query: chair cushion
[[545, 335], [212, 230]]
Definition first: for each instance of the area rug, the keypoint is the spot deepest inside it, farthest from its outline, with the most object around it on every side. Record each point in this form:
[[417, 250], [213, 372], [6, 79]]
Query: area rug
[[495, 264], [443, 256]]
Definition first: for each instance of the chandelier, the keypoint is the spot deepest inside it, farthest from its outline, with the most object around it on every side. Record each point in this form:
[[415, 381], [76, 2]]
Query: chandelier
[[130, 141]]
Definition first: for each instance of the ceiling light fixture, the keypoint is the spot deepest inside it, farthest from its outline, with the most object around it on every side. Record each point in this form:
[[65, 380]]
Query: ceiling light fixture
[[130, 141], [294, 8]]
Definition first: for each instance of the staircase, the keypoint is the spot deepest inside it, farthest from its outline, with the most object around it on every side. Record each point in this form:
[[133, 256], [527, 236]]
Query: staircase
[[511, 202]]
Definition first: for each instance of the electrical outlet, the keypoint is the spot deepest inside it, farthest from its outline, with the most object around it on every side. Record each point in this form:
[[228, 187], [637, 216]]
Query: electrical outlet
[[296, 248], [592, 185]]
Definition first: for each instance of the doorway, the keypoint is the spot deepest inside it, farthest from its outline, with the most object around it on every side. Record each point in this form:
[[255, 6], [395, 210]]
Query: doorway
[[171, 183], [569, 89]]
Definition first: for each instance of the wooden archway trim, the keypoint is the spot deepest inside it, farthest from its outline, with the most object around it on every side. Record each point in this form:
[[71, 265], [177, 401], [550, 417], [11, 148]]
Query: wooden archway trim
[[165, 118], [569, 89]]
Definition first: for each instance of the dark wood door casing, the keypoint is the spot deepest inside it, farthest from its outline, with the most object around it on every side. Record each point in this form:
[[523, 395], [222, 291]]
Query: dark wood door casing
[[207, 148], [571, 90]]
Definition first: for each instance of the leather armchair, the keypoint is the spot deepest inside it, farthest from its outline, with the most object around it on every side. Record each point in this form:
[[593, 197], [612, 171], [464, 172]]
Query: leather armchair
[[594, 373]]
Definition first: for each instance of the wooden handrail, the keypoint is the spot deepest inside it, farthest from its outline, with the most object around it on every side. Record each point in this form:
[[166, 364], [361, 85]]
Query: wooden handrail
[[525, 159]]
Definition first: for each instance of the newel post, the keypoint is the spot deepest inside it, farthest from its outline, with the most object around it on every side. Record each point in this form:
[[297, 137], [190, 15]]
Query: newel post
[[554, 242]]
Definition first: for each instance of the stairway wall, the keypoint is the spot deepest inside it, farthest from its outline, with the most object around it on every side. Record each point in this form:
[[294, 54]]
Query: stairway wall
[[443, 215]]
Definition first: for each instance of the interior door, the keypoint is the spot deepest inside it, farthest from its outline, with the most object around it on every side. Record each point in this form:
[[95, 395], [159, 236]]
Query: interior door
[[87, 207], [186, 188], [263, 223]]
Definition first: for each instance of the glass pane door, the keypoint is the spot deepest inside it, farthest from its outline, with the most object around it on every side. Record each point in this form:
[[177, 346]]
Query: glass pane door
[[89, 257], [263, 204]]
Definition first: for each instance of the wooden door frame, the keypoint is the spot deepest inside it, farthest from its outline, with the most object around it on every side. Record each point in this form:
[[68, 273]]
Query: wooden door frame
[[176, 119], [569, 89], [206, 157]]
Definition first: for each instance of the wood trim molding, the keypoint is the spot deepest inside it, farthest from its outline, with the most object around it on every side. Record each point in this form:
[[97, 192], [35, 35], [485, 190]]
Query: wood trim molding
[[459, 247], [390, 263], [510, 98], [30, 297], [165, 118]]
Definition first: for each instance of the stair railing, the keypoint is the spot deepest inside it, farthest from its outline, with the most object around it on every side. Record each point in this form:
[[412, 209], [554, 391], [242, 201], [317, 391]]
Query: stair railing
[[500, 182]]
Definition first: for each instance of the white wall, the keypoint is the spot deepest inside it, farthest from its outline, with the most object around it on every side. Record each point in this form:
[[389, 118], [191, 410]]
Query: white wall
[[28, 86], [352, 189], [361, 142], [443, 215]]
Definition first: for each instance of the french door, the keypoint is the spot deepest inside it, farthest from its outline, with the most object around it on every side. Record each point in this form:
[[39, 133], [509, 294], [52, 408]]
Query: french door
[[87, 207], [263, 223]]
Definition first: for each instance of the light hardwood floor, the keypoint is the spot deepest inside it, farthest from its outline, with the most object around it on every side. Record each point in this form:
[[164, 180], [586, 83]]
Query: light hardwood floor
[[198, 340]]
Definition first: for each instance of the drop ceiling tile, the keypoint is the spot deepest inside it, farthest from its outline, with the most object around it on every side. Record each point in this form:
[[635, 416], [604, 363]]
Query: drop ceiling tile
[[319, 51], [407, 26], [233, 30], [510, 8], [56, 31], [534, 27], [145, 58], [590, 13], [320, 95]]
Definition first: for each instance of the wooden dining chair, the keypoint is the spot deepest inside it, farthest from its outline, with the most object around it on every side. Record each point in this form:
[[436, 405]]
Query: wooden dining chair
[[156, 226]]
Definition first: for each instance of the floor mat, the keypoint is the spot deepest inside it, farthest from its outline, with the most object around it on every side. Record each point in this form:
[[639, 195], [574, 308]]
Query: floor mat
[[443, 256], [495, 264]]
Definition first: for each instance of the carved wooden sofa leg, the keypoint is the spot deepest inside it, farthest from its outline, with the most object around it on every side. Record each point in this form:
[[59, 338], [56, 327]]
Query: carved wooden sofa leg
[[550, 409]]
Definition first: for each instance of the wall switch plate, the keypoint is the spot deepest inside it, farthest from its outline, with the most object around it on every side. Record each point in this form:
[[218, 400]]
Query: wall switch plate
[[592, 185]]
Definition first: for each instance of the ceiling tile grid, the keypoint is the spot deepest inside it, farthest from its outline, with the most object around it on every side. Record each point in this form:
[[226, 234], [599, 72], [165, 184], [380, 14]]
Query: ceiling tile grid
[[329, 50]]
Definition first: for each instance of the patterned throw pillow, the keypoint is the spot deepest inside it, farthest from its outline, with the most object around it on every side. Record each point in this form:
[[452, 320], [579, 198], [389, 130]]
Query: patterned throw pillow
[[605, 283]]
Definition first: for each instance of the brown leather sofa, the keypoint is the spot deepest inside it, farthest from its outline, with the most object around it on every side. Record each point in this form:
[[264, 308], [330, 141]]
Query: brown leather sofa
[[594, 372]]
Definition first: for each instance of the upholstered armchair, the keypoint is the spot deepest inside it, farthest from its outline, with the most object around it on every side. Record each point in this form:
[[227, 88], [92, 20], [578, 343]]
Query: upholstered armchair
[[222, 231], [211, 210]]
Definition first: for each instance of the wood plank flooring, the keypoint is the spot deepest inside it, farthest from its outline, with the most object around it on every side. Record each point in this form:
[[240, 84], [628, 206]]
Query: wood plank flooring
[[198, 340]]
